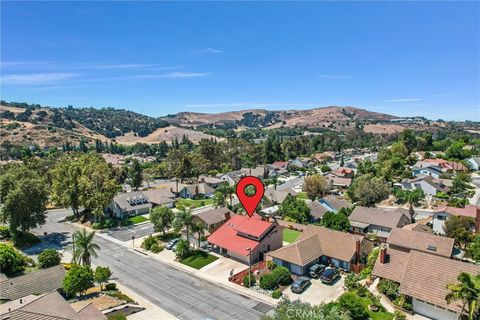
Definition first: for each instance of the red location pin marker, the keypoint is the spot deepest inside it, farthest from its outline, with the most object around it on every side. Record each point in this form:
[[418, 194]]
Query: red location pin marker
[[250, 203]]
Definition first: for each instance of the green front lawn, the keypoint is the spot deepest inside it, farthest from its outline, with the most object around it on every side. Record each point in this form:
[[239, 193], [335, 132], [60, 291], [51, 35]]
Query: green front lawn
[[199, 259], [137, 219], [192, 204], [302, 195], [290, 235]]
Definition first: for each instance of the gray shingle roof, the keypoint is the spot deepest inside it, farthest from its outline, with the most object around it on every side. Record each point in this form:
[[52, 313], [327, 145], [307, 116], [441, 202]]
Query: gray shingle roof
[[38, 282], [378, 216]]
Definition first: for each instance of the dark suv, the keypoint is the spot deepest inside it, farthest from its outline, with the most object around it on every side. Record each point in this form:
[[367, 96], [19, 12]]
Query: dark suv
[[329, 275], [316, 270], [299, 285]]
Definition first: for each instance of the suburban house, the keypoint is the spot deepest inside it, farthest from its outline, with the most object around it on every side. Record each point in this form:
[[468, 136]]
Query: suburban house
[[428, 184], [232, 177], [474, 163], [380, 221], [318, 208], [276, 196], [336, 180], [344, 172], [212, 219], [197, 190], [244, 238], [39, 282], [442, 163], [212, 182], [323, 157], [421, 264], [443, 213], [130, 204], [49, 306], [431, 170], [281, 164], [299, 163], [160, 197], [321, 245]]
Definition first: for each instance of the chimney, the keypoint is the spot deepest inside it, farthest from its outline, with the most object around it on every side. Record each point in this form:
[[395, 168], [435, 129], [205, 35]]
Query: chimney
[[196, 189], [477, 221], [383, 254], [202, 179], [357, 251], [21, 301], [227, 215]]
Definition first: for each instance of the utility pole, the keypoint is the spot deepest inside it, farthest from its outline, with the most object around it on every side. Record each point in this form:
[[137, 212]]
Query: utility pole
[[249, 266]]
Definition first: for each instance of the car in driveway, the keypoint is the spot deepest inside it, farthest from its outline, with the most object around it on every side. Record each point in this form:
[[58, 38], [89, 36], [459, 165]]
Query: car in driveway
[[316, 270], [329, 275], [299, 285], [172, 243]]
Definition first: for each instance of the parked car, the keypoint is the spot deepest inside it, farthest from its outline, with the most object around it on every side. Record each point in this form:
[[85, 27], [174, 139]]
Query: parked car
[[316, 270], [299, 285], [329, 275], [172, 243]]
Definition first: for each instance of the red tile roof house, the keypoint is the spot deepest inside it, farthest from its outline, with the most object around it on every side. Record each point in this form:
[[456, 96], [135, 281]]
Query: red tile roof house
[[444, 212], [240, 234], [321, 245], [421, 264]]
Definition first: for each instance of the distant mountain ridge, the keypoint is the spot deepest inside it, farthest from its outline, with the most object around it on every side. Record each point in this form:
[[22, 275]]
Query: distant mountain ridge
[[23, 123]]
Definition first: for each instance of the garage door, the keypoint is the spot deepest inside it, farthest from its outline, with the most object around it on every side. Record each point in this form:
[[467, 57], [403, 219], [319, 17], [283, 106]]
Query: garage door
[[432, 312]]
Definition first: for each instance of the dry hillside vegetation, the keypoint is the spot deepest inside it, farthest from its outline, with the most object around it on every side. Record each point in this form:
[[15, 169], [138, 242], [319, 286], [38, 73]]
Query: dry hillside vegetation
[[167, 134]]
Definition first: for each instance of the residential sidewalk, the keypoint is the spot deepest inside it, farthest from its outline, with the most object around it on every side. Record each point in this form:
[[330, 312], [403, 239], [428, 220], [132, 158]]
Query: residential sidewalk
[[168, 257]]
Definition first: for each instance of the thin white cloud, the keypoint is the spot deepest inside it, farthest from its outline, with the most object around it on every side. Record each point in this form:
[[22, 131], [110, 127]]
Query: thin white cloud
[[334, 76], [403, 100], [207, 51], [182, 75], [35, 78]]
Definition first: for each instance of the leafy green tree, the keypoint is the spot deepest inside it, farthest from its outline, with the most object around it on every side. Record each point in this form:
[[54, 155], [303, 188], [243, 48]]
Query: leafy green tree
[[65, 189], [456, 151], [466, 290], [198, 229], [218, 199], [459, 228], [367, 190], [135, 174], [102, 275], [97, 183], [297, 310], [11, 261], [84, 247], [162, 218], [352, 303], [48, 258], [315, 186], [182, 249], [282, 276], [412, 197], [474, 248], [409, 139], [296, 210], [461, 185], [24, 197], [77, 280], [183, 218], [335, 221]]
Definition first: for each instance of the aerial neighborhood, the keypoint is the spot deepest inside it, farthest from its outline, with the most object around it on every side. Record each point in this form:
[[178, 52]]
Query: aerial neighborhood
[[390, 232], [240, 160]]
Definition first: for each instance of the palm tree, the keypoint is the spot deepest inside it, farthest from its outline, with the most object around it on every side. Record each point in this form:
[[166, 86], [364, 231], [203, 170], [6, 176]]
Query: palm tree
[[184, 218], [198, 229], [467, 289], [84, 247], [411, 197]]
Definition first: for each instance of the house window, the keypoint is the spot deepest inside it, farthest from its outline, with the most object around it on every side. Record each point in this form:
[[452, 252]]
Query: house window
[[286, 264]]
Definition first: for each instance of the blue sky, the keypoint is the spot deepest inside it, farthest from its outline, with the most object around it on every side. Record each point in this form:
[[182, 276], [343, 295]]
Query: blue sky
[[402, 58]]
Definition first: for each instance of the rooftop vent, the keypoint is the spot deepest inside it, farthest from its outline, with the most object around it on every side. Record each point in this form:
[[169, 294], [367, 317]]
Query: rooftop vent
[[431, 248]]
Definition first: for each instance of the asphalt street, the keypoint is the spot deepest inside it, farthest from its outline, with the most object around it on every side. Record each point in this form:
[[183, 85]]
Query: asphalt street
[[181, 294]]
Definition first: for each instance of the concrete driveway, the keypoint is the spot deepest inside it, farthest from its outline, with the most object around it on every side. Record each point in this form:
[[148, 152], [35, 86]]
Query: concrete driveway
[[221, 268], [318, 292]]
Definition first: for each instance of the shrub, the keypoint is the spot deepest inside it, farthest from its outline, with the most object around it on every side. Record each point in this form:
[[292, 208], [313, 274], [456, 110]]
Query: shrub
[[183, 249], [4, 232], [246, 282], [362, 291], [268, 282], [388, 288], [156, 248], [276, 294], [352, 304], [282, 276], [102, 274], [97, 226], [111, 286], [351, 281], [117, 316], [148, 242], [270, 265], [400, 315], [11, 261], [402, 302], [48, 258]]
